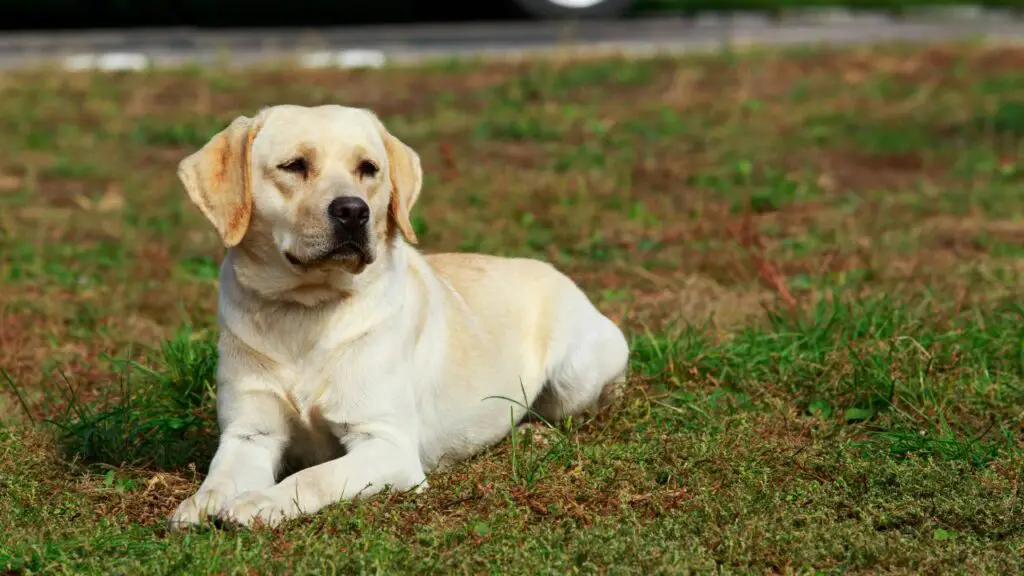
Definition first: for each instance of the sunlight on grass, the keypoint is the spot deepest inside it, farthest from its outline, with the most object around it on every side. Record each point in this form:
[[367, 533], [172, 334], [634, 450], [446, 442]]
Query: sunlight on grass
[[816, 255]]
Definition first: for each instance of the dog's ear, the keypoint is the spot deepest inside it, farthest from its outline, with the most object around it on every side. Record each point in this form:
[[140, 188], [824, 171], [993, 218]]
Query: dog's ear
[[218, 181], [406, 176]]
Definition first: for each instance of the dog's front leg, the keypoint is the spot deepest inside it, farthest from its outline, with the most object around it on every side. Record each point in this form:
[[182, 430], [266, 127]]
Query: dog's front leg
[[370, 465], [252, 441]]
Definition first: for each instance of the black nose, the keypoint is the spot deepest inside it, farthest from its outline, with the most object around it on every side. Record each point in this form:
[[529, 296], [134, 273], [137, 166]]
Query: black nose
[[349, 211]]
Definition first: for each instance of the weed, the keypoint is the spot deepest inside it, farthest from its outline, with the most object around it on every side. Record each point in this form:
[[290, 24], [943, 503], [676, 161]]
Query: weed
[[161, 418]]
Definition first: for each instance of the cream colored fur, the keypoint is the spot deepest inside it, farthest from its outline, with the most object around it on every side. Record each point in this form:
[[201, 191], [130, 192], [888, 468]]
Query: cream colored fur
[[355, 374]]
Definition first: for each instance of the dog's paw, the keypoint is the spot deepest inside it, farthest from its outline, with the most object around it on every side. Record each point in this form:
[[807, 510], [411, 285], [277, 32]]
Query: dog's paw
[[197, 510], [256, 508]]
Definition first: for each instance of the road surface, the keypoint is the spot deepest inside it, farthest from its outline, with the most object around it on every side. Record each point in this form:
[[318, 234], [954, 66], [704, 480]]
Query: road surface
[[375, 45]]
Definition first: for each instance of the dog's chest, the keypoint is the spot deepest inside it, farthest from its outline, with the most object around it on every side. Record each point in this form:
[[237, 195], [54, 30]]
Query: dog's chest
[[320, 363], [303, 349], [314, 384]]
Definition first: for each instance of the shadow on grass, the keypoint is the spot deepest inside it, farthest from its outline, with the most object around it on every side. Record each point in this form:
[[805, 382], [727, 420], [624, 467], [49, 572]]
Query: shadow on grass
[[163, 417]]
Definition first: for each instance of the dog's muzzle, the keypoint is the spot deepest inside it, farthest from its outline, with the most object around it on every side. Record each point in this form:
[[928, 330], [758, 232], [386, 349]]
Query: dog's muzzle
[[350, 218], [349, 237]]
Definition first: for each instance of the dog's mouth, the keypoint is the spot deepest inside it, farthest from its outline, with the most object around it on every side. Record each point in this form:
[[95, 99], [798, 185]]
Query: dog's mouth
[[346, 251]]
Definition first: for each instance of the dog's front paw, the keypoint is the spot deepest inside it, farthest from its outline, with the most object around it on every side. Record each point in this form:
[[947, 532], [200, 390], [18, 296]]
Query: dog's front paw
[[196, 510], [256, 508]]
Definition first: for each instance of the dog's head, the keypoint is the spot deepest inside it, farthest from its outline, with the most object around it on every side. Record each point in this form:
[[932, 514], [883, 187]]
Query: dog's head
[[309, 192]]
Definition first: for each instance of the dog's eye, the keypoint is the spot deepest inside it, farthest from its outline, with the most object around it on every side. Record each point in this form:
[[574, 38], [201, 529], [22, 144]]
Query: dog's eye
[[367, 169], [296, 166]]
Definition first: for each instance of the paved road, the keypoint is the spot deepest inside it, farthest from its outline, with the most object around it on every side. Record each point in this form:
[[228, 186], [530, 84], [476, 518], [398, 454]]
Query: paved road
[[371, 46]]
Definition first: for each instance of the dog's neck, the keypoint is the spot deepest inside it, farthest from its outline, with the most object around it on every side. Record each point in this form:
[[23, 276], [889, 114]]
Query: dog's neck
[[259, 277], [289, 328]]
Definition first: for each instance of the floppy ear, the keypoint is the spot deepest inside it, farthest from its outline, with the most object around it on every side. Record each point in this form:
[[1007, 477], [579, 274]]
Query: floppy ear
[[406, 176], [218, 181]]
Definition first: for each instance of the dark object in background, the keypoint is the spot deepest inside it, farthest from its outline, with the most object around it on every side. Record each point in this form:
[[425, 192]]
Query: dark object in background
[[78, 14]]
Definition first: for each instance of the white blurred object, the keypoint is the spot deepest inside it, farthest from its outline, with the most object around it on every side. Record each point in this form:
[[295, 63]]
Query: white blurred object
[[575, 9], [575, 4], [108, 62], [344, 59]]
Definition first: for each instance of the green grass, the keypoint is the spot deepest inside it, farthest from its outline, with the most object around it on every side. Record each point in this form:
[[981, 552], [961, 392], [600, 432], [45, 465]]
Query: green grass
[[816, 256]]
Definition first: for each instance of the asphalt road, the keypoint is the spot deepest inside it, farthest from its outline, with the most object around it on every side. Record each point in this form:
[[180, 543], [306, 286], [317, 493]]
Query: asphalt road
[[374, 45]]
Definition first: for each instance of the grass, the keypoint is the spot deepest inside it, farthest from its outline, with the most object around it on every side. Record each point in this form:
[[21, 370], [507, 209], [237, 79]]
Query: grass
[[816, 254]]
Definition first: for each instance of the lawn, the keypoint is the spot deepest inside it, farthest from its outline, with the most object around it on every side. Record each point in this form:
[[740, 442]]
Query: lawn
[[818, 256]]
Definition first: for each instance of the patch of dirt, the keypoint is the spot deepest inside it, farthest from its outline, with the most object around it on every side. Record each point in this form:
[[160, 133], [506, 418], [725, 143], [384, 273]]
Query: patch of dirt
[[15, 343], [698, 299], [938, 63], [971, 232], [77, 193], [43, 351], [153, 262], [931, 65], [398, 94], [508, 156], [149, 502], [854, 170]]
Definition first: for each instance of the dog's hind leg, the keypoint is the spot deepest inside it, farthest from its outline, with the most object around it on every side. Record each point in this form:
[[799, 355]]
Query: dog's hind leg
[[589, 373]]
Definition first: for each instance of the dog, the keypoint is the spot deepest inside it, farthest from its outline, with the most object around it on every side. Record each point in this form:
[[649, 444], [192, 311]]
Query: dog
[[349, 362]]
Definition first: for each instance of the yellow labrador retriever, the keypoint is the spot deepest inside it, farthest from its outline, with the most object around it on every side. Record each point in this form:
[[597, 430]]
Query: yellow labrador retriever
[[347, 359]]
